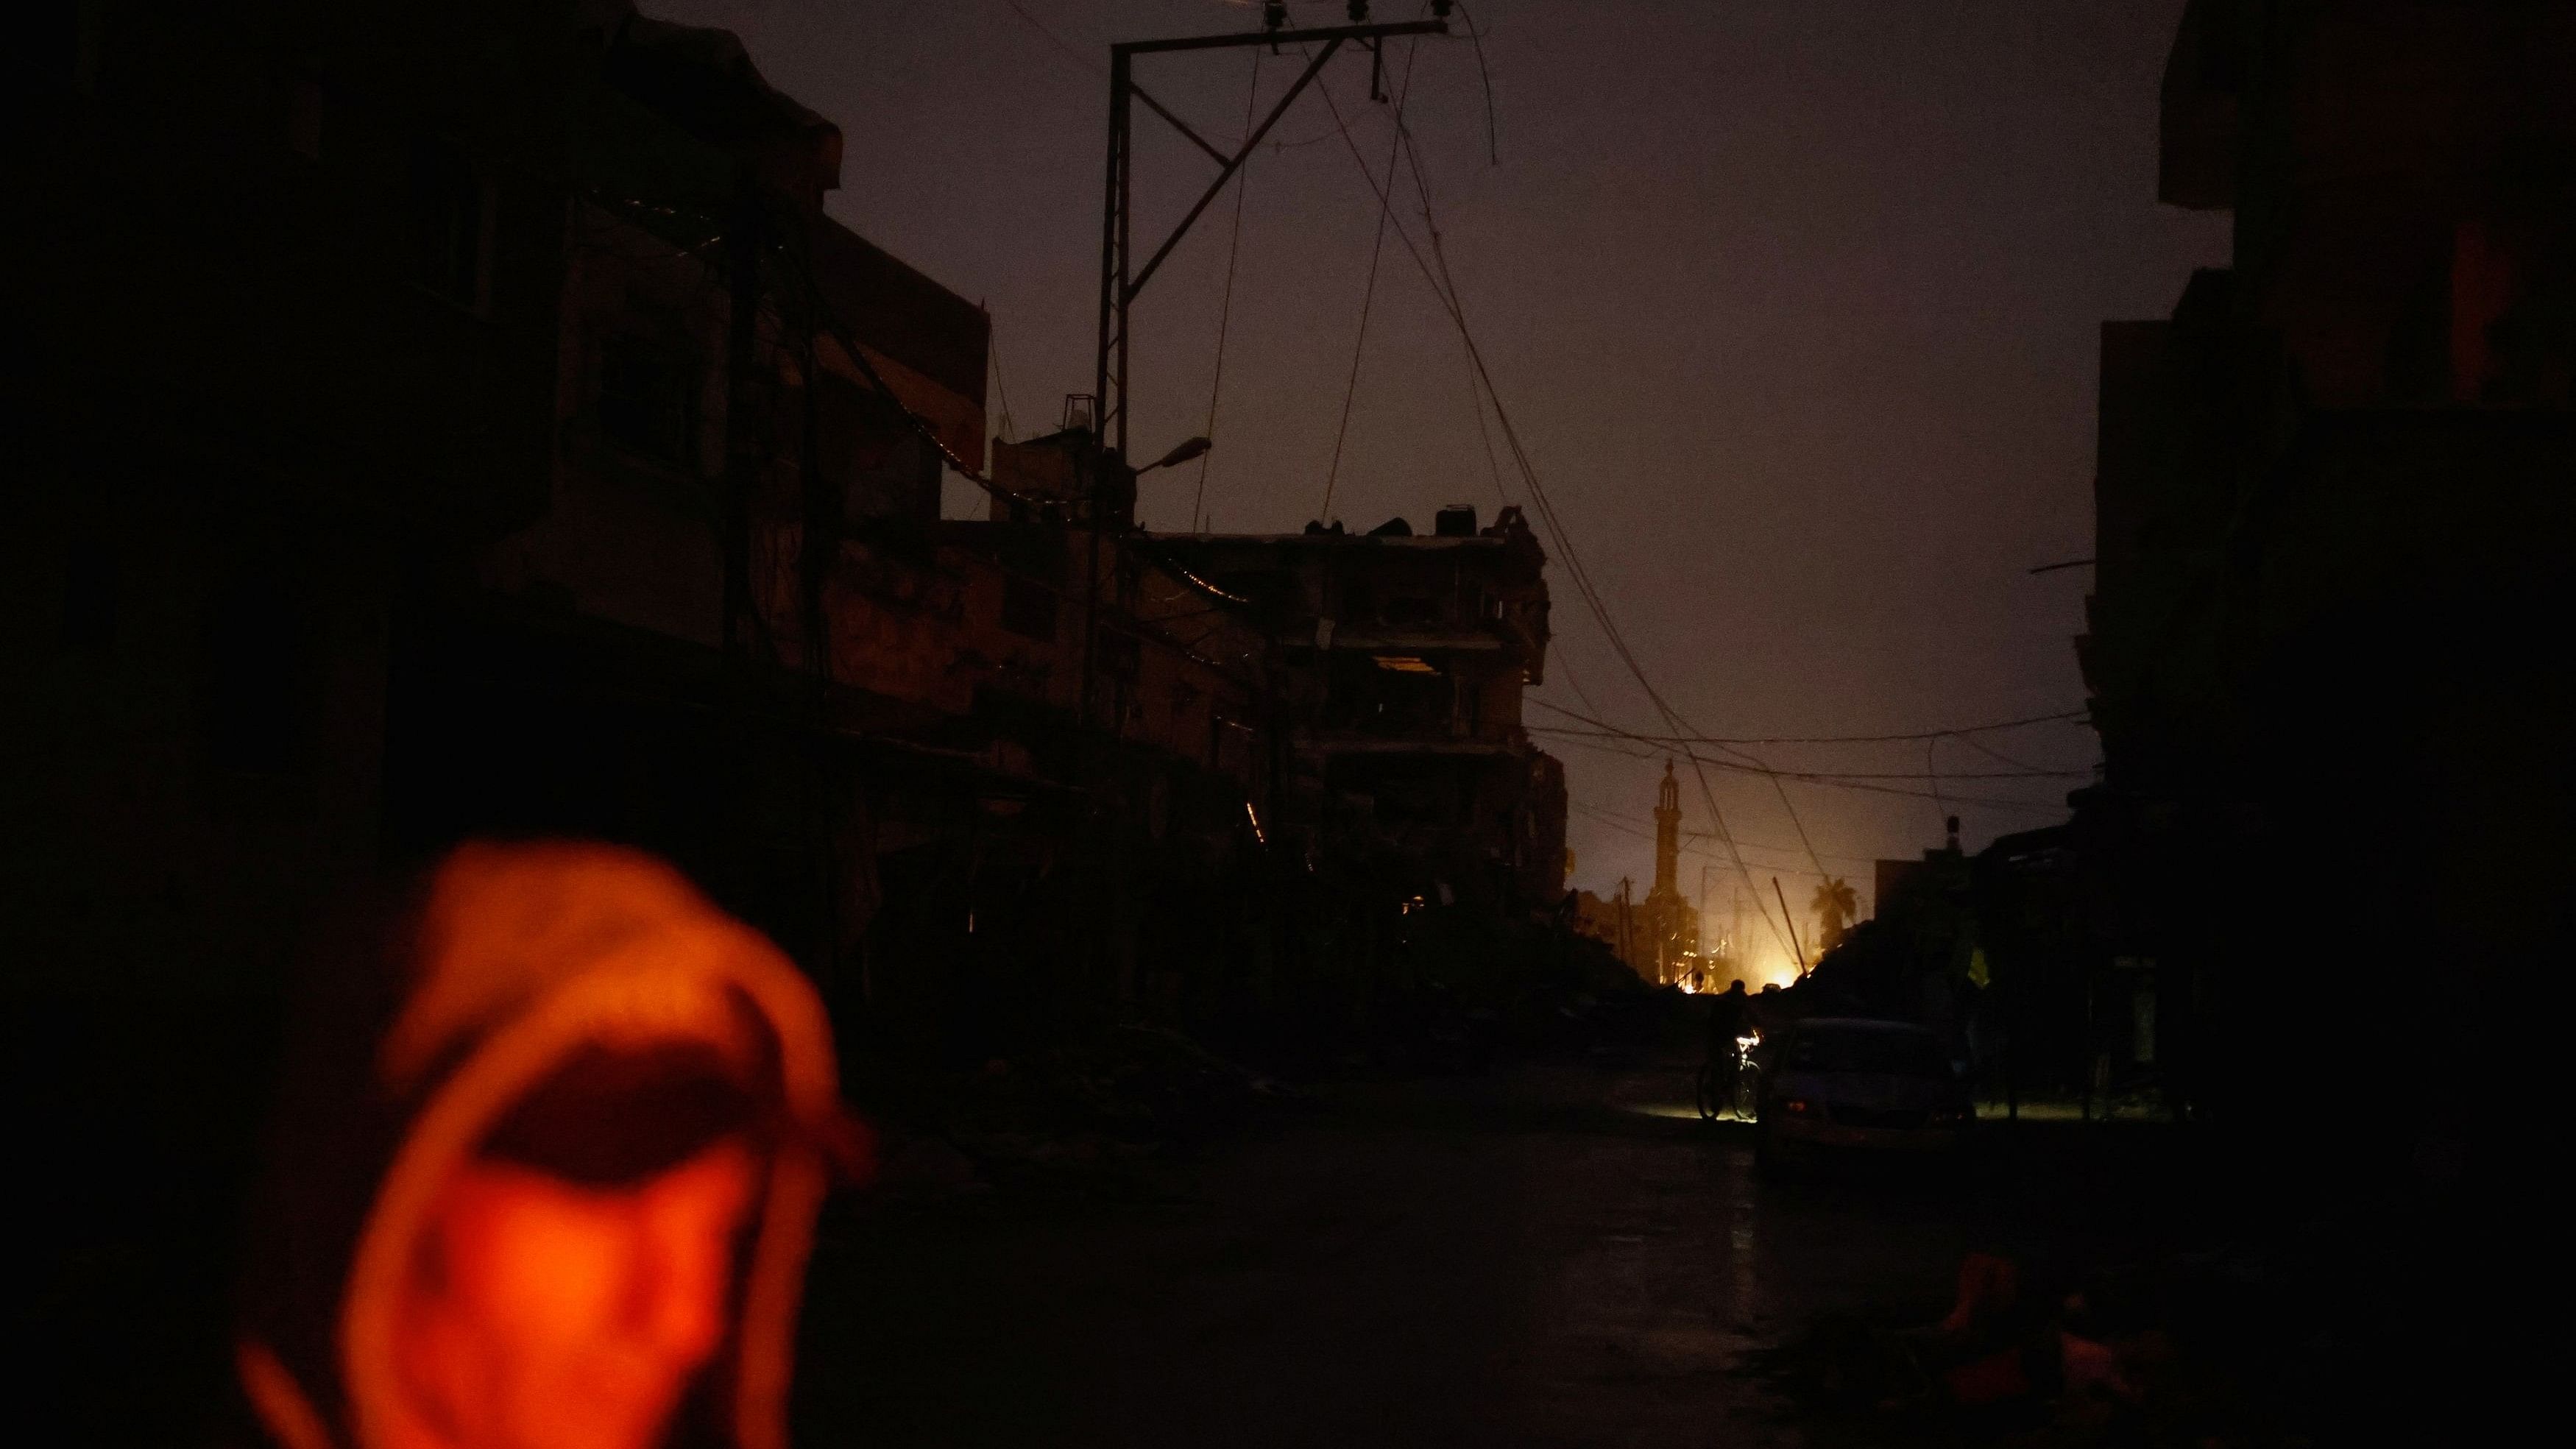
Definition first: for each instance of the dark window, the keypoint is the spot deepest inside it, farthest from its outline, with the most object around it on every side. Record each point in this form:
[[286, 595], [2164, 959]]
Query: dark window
[[648, 397], [451, 222], [1028, 607], [1359, 599], [1410, 611], [1388, 695]]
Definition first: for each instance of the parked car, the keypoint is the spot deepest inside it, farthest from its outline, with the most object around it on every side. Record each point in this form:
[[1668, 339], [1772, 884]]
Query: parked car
[[1851, 1086]]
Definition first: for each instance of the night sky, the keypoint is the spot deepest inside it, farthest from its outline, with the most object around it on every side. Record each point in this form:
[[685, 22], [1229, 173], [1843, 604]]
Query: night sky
[[1793, 303]]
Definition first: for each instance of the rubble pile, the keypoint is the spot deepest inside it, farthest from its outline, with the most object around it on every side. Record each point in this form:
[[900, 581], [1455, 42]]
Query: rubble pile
[[2198, 1350]]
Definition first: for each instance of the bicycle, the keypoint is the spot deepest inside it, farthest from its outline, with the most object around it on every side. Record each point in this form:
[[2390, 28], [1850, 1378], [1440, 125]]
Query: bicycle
[[1732, 1084]]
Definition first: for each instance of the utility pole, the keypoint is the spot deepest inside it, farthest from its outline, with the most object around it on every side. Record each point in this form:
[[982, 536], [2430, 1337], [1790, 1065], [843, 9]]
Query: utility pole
[[1120, 279], [1627, 956], [1735, 927], [1801, 951], [1097, 469], [1707, 928]]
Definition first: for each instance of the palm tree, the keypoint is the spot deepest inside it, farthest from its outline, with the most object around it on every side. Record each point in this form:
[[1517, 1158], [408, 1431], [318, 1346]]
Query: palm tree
[[1835, 902]]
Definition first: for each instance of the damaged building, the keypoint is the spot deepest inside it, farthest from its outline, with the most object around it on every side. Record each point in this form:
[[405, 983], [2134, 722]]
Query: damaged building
[[389, 480], [1401, 661], [594, 490]]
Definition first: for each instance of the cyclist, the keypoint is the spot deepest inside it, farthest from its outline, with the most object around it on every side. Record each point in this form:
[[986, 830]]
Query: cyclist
[[1730, 1017]]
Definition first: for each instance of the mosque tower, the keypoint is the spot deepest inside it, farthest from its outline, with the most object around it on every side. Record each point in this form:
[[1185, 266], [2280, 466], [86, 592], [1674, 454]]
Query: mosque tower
[[1669, 950]]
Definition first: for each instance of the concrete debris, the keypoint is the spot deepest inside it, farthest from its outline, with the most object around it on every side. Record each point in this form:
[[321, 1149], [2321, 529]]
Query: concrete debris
[[2134, 1356]]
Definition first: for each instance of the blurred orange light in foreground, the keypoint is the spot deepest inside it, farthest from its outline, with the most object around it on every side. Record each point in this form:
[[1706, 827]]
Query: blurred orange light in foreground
[[541, 1312], [598, 1124]]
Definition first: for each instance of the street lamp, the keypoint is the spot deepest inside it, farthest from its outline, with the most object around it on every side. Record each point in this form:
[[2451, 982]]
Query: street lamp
[[1188, 449]]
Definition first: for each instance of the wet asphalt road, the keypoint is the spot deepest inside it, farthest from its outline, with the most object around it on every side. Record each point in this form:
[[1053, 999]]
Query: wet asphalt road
[[1548, 1256]]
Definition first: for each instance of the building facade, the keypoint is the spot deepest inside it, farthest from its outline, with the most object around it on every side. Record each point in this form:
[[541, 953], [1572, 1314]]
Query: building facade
[[459, 420], [520, 448], [2331, 499], [1401, 663]]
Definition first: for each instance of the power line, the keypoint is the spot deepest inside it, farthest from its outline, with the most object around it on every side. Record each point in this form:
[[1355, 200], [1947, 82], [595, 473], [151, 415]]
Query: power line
[[1824, 782], [1614, 817], [1917, 736], [1368, 293], [1575, 569], [1993, 754], [1819, 777], [993, 347], [1701, 853], [1796, 822], [1448, 285], [1080, 56], [1225, 308], [1596, 604], [1625, 828], [1745, 763], [1476, 37]]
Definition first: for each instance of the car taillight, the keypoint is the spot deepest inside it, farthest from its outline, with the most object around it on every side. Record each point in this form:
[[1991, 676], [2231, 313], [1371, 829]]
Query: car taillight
[[1798, 1107]]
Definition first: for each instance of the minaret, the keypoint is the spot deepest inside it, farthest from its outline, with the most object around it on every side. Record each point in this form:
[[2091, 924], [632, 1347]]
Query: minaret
[[1668, 836]]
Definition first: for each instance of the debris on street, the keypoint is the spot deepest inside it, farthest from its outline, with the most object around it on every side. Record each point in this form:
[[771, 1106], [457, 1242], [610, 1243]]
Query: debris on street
[[2168, 1352]]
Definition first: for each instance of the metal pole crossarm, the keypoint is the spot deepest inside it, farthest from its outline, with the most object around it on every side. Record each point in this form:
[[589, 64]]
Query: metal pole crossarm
[[1178, 124], [1281, 37], [1120, 279], [1250, 143]]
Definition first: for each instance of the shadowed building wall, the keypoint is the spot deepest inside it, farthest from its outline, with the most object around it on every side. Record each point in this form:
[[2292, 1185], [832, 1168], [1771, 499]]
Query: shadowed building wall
[[2331, 503]]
